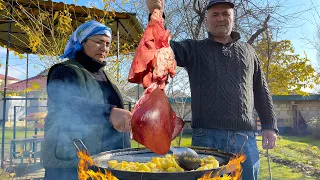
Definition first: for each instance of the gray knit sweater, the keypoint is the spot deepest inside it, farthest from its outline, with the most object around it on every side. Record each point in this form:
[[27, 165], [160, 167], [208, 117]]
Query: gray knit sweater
[[225, 89]]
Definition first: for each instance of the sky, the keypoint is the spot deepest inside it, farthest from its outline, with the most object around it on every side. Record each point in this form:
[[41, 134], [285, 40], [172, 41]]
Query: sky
[[301, 27]]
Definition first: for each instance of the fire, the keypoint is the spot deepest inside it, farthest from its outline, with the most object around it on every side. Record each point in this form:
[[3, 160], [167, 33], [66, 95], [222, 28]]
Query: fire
[[84, 172], [233, 166]]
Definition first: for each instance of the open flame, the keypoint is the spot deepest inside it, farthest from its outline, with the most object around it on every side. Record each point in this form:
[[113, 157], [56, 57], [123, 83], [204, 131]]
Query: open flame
[[233, 166], [84, 172]]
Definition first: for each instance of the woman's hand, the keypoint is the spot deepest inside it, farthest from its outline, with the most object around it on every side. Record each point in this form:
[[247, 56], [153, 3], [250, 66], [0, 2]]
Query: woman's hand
[[121, 119]]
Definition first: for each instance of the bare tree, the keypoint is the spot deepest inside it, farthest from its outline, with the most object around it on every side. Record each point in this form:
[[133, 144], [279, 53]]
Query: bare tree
[[313, 40], [186, 20]]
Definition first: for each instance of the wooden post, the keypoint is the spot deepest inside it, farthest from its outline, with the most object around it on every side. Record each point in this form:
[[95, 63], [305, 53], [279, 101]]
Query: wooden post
[[4, 93]]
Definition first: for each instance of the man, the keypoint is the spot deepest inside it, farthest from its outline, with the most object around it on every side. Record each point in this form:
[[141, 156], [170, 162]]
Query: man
[[226, 83]]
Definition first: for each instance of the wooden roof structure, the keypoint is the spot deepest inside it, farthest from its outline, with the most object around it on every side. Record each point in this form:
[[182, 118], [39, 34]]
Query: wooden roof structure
[[126, 23]]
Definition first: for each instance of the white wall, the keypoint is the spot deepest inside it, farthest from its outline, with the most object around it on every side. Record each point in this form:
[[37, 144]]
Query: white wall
[[20, 111]]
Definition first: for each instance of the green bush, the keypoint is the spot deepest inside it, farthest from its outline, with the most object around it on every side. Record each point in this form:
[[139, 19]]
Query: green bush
[[314, 126]]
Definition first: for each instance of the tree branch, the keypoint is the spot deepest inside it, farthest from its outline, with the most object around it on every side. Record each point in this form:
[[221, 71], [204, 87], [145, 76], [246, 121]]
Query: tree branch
[[259, 31], [195, 8]]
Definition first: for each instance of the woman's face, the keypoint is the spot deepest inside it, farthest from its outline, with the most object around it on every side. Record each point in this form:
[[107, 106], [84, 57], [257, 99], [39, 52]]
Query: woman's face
[[97, 47]]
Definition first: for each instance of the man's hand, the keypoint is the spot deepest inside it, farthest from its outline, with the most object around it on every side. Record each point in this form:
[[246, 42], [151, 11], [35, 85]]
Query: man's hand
[[155, 4], [121, 119], [269, 138]]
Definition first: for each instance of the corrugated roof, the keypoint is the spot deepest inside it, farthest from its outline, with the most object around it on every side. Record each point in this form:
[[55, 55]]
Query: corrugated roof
[[180, 99], [9, 77], [21, 85], [315, 97]]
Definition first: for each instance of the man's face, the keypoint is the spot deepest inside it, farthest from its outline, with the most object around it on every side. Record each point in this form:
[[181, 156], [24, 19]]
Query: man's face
[[97, 47], [220, 20]]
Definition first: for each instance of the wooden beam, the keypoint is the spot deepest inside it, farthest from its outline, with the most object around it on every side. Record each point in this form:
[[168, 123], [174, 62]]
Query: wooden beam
[[61, 6]]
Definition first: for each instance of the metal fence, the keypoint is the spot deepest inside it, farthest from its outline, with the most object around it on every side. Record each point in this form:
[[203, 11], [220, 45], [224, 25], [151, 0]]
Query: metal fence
[[21, 134], [15, 127]]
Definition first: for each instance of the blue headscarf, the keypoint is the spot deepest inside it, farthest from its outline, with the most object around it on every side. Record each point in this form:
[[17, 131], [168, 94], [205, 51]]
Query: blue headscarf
[[82, 33]]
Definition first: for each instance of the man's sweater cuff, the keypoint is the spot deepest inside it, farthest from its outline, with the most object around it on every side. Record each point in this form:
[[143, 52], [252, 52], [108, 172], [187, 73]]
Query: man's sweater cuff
[[271, 125]]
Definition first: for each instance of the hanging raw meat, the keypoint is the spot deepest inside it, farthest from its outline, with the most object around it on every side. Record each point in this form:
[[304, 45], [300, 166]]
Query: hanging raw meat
[[154, 123]]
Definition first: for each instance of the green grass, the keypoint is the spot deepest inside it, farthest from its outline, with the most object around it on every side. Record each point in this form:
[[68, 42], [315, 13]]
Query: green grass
[[307, 139], [279, 172], [297, 151], [293, 150], [289, 148], [20, 133], [185, 141]]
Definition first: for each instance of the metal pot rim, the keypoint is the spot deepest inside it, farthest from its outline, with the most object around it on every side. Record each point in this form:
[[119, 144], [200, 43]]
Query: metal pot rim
[[120, 174]]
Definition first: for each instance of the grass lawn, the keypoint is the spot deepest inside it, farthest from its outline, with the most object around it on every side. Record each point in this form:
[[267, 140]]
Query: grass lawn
[[185, 141], [280, 172], [20, 133], [294, 158], [290, 149]]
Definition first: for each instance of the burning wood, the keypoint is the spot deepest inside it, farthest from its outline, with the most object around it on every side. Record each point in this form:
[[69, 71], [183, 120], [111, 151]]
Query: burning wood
[[233, 166], [84, 172]]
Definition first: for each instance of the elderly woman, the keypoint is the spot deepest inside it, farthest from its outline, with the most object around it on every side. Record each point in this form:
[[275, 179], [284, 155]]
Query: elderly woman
[[83, 103]]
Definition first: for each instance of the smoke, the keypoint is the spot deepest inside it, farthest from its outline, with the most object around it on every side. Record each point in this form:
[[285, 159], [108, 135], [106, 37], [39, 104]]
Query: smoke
[[73, 115]]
